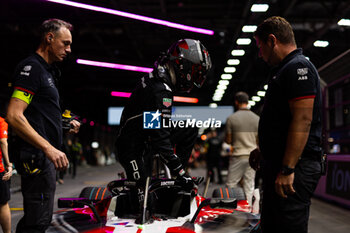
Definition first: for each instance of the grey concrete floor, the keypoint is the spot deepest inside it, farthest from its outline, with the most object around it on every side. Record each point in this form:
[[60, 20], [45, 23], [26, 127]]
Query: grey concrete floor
[[324, 217]]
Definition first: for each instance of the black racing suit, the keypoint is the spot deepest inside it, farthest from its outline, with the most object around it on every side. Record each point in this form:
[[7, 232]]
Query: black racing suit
[[137, 145]]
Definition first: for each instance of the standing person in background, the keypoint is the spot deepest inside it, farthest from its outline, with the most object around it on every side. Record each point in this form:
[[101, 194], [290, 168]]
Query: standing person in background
[[5, 175], [67, 149], [213, 157], [290, 131], [35, 115], [76, 153], [242, 133]]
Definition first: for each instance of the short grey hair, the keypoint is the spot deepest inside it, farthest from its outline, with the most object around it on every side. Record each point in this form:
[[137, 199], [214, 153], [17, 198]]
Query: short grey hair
[[53, 25]]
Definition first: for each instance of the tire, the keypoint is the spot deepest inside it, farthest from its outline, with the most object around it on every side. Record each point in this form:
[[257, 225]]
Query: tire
[[95, 193], [225, 193]]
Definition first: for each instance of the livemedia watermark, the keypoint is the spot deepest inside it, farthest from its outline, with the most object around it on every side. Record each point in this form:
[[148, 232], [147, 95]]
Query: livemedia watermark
[[153, 120]]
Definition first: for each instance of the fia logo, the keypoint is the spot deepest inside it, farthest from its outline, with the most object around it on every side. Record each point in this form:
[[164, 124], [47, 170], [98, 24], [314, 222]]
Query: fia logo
[[151, 120]]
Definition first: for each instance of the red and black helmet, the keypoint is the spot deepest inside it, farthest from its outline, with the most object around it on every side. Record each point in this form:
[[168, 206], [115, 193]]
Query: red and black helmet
[[191, 62]]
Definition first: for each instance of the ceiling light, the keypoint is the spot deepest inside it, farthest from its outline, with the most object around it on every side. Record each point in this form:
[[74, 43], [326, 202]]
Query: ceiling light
[[344, 22], [134, 16], [259, 8], [224, 82], [213, 105], [114, 65], [233, 62], [321, 43], [251, 103], [265, 87], [261, 93], [256, 98], [249, 28], [221, 87], [218, 95], [216, 99], [217, 91], [226, 76], [237, 52], [243, 41], [229, 69]]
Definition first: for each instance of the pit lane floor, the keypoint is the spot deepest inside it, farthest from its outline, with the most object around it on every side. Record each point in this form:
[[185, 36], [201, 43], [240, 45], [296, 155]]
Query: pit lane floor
[[324, 217]]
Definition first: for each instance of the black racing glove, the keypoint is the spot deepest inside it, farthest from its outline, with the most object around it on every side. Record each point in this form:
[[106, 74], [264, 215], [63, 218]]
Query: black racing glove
[[174, 164], [186, 181]]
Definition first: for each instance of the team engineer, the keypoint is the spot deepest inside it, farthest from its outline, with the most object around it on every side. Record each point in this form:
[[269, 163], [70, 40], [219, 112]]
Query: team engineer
[[35, 115], [289, 130]]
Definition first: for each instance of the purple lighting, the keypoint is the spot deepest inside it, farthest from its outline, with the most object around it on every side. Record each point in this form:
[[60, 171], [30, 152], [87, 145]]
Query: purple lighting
[[114, 66], [176, 98], [120, 94], [134, 16]]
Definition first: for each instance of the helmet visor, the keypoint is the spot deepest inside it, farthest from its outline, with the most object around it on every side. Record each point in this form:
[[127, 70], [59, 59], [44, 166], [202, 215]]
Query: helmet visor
[[198, 75]]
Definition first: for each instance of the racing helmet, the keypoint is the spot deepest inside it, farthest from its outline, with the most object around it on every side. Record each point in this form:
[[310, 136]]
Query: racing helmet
[[191, 62]]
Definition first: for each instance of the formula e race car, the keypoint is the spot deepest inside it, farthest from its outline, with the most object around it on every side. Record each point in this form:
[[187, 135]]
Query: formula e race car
[[170, 206]]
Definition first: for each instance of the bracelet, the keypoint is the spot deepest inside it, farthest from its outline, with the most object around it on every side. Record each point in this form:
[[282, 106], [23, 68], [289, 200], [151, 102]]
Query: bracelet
[[286, 170]]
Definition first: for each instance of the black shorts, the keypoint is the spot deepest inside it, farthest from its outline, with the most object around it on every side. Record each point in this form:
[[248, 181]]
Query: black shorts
[[4, 190]]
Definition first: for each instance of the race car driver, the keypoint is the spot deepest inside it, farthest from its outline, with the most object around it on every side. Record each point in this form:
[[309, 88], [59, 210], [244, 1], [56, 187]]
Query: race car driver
[[184, 66]]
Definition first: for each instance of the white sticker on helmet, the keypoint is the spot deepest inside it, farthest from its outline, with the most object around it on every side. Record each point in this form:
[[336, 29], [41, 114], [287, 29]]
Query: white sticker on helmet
[[199, 49]]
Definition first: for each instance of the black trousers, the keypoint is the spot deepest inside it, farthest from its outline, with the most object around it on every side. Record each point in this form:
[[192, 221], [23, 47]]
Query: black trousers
[[290, 215], [38, 198]]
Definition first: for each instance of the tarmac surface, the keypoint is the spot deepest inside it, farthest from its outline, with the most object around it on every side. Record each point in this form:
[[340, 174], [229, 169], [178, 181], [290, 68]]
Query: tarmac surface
[[324, 217]]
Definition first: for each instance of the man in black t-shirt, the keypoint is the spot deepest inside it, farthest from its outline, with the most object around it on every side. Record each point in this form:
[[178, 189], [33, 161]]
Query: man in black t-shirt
[[289, 130], [35, 115]]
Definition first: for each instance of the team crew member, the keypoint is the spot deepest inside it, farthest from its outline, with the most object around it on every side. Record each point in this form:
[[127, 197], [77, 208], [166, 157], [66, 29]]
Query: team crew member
[[289, 130], [35, 115], [241, 132], [184, 66], [5, 175]]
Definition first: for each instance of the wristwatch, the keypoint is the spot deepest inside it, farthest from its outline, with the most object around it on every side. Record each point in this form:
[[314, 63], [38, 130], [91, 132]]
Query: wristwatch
[[286, 170]]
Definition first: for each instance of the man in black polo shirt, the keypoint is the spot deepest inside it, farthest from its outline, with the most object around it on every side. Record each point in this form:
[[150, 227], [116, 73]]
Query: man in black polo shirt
[[289, 130], [35, 115]]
